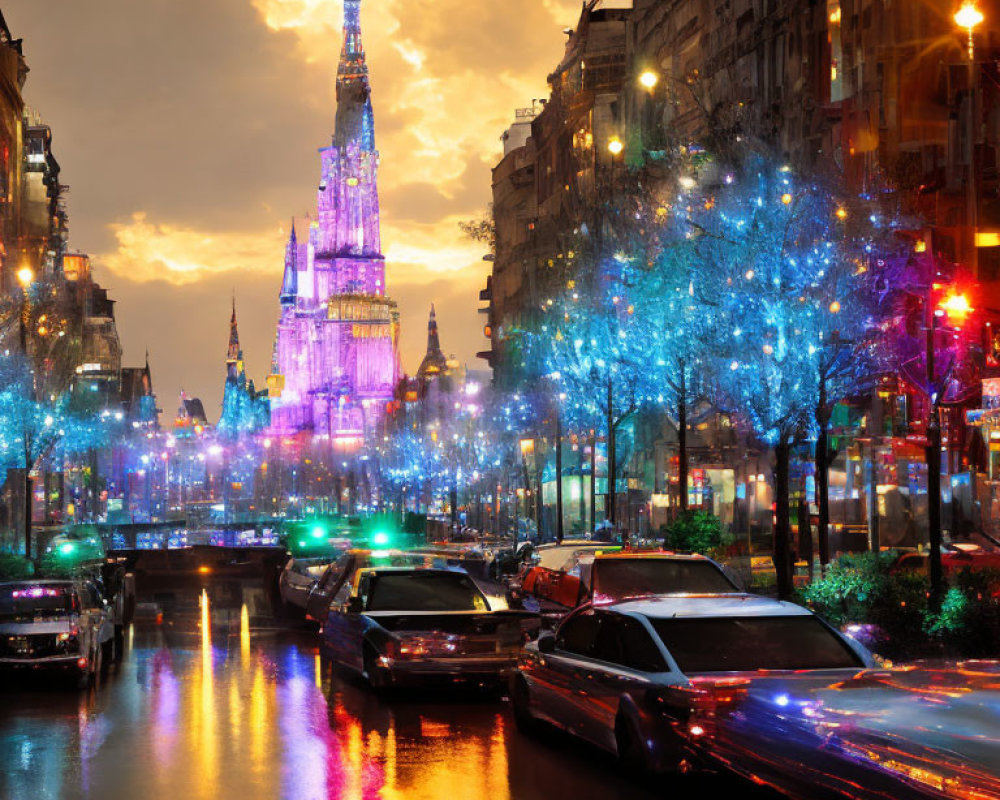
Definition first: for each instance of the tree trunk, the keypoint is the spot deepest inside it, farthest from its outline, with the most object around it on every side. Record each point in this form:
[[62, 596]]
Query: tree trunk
[[782, 552], [611, 456], [593, 481], [805, 535], [559, 492], [682, 450], [539, 504], [27, 512], [823, 494]]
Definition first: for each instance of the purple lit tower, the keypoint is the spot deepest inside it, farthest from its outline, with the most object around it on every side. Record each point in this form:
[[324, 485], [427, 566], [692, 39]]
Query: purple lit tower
[[336, 359]]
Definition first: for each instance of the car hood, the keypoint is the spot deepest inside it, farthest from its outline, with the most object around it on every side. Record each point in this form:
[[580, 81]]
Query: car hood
[[906, 733]]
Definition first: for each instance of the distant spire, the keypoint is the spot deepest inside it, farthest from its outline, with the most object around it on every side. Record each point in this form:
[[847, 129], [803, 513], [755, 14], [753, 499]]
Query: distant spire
[[234, 355], [354, 122], [434, 362], [290, 283]]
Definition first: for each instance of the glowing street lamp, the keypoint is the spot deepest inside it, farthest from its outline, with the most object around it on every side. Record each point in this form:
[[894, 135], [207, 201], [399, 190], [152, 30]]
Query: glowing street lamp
[[25, 276], [969, 17], [956, 307], [615, 146], [648, 80]]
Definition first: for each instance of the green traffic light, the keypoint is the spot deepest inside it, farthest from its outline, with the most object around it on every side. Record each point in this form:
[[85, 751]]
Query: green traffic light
[[318, 532], [380, 538], [67, 549]]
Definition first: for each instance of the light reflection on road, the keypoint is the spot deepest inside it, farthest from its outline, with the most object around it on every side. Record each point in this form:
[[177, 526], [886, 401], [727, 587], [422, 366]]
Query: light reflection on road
[[204, 708]]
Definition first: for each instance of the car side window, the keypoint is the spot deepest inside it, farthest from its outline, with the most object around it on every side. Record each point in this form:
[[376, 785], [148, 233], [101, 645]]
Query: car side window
[[577, 634], [608, 644], [640, 651]]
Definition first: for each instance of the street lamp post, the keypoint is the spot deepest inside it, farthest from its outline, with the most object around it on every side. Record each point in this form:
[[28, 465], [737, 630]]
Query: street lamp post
[[933, 458], [26, 277], [969, 17]]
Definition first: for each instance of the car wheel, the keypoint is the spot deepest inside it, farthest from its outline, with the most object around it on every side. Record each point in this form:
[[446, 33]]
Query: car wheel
[[379, 678], [520, 704], [631, 752]]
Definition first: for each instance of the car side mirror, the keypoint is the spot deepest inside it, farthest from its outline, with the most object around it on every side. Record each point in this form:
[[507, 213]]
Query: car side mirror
[[546, 643]]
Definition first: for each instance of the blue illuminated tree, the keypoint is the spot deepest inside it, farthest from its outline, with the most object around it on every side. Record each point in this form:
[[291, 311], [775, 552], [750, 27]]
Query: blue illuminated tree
[[795, 309], [37, 424]]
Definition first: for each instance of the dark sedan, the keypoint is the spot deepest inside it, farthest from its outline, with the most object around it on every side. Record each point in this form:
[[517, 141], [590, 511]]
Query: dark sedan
[[404, 625]]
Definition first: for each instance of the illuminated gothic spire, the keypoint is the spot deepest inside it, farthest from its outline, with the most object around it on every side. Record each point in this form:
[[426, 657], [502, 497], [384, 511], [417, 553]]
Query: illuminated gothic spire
[[354, 121], [234, 356], [434, 362], [290, 284]]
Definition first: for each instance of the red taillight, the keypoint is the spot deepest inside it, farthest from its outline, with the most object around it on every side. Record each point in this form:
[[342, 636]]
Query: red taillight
[[721, 692], [426, 644], [81, 663]]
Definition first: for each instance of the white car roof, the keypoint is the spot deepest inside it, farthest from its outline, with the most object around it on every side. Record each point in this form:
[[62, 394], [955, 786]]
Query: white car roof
[[556, 556], [716, 605]]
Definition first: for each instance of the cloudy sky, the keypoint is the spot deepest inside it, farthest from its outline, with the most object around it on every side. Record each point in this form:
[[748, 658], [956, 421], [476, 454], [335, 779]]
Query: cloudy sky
[[188, 133]]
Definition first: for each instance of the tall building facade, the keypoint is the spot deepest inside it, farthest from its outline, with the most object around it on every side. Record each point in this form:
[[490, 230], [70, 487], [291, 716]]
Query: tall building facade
[[336, 353]]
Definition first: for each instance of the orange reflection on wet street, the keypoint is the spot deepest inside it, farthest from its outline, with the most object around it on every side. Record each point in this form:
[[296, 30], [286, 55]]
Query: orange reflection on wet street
[[203, 707]]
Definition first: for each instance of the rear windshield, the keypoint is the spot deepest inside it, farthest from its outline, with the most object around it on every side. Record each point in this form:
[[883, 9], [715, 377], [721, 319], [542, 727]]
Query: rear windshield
[[424, 591], [635, 576], [26, 603], [746, 644]]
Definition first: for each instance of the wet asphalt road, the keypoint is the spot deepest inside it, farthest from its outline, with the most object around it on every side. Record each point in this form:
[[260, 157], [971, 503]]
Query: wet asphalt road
[[229, 711]]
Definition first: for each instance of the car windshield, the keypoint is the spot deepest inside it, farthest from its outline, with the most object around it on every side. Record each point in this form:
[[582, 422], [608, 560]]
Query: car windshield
[[424, 591], [629, 577], [25, 603], [747, 644]]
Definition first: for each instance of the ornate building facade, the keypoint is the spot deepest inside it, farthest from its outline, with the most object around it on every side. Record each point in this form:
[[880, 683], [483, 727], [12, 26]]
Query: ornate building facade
[[244, 409], [336, 360]]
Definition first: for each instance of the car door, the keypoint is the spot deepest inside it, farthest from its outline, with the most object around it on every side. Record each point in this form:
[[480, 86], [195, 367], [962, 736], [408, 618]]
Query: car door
[[562, 681], [322, 593], [299, 582], [344, 626], [625, 658], [92, 616]]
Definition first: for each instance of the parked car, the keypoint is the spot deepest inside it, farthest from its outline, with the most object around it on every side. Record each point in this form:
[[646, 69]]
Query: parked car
[[56, 624], [593, 573], [955, 557], [298, 577], [402, 625], [648, 679], [343, 570]]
